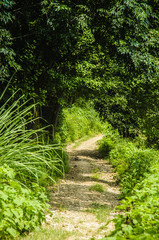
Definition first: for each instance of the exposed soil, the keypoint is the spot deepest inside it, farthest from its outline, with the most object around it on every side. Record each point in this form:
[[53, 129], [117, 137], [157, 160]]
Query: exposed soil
[[72, 199]]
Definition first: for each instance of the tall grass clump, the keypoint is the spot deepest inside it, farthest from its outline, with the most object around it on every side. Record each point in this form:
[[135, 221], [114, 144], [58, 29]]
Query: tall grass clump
[[22, 148], [79, 121]]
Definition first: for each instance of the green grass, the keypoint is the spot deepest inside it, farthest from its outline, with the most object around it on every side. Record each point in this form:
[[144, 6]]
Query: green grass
[[78, 122], [23, 149], [95, 176], [50, 233], [100, 211], [97, 188], [95, 170]]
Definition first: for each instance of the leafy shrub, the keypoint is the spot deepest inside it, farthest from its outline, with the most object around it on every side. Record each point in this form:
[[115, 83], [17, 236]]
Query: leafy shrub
[[131, 163], [150, 127], [21, 209], [106, 146], [140, 140], [141, 213], [138, 169]]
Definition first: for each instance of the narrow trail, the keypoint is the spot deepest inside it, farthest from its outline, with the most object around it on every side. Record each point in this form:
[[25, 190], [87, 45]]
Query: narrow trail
[[75, 204]]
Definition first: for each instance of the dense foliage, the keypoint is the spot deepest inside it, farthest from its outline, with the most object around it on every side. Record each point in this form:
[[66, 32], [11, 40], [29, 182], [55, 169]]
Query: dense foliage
[[27, 163], [22, 209], [63, 50], [25, 149], [129, 92], [137, 171], [79, 121], [6, 51]]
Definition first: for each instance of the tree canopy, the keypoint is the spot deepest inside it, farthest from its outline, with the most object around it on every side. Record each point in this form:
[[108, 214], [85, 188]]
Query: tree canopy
[[57, 51]]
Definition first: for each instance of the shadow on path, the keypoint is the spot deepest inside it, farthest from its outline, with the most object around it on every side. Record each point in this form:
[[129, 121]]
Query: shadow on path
[[86, 169]]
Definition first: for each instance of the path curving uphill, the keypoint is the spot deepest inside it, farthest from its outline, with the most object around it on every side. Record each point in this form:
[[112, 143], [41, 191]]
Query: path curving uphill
[[88, 191]]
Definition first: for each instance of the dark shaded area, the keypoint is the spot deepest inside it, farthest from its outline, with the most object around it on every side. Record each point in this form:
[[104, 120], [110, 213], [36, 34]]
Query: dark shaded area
[[87, 153]]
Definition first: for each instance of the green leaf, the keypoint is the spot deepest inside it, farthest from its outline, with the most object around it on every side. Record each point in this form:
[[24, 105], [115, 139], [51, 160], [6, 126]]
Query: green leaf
[[12, 232]]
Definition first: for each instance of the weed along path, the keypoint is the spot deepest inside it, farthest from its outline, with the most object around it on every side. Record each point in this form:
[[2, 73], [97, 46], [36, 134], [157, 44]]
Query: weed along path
[[84, 201]]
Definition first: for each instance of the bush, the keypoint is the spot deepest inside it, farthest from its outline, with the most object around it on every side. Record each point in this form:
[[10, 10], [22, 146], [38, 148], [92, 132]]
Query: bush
[[140, 220], [137, 168], [109, 142], [22, 209], [130, 162]]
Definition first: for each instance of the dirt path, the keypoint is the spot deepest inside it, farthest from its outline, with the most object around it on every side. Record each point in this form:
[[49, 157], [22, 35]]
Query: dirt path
[[84, 201]]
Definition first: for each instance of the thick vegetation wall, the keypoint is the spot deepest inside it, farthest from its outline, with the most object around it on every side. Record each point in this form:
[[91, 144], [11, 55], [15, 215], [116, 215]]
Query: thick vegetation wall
[[137, 171]]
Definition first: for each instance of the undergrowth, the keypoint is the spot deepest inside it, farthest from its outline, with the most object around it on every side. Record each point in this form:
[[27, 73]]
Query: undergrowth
[[21, 209], [137, 170], [77, 122], [27, 164]]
